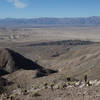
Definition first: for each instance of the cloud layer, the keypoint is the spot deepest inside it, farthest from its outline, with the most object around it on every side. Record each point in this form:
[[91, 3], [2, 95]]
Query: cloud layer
[[18, 3]]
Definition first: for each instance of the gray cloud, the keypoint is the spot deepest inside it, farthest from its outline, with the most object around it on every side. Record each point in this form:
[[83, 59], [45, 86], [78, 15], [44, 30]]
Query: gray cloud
[[18, 3]]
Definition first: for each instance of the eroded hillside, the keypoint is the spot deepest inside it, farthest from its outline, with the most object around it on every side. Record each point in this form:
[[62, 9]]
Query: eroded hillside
[[57, 61]]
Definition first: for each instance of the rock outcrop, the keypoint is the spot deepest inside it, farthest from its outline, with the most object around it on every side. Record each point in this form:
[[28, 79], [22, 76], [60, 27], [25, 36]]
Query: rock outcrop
[[11, 61]]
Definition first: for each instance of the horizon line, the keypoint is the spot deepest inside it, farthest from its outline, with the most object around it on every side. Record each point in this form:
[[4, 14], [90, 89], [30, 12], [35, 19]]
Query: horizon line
[[45, 17]]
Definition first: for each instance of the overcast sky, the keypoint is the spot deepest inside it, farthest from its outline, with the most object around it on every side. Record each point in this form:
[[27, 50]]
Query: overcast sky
[[49, 8]]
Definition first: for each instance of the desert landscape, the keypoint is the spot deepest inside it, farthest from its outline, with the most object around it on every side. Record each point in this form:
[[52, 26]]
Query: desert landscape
[[50, 63], [49, 50]]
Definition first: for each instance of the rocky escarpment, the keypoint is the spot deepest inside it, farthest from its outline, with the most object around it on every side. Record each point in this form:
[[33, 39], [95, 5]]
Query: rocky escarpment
[[11, 61]]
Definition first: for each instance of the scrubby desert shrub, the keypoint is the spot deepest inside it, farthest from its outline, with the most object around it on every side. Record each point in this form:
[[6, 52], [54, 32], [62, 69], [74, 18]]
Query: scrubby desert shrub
[[52, 86], [61, 85], [36, 87], [35, 94], [45, 85]]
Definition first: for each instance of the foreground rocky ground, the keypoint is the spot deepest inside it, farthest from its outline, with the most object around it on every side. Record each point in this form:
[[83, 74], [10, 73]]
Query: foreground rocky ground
[[60, 91]]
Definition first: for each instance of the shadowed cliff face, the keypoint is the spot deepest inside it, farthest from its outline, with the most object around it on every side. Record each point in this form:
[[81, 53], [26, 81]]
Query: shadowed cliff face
[[11, 61]]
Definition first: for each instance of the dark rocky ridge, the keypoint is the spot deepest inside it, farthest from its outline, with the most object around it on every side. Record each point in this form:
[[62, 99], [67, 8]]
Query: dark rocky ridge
[[64, 42], [11, 61]]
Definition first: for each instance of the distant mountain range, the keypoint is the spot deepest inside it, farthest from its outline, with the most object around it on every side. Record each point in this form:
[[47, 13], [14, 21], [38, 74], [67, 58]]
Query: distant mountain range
[[47, 22]]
